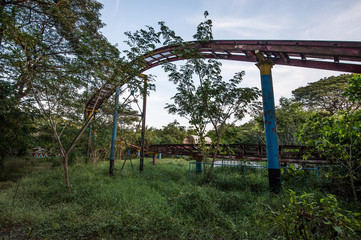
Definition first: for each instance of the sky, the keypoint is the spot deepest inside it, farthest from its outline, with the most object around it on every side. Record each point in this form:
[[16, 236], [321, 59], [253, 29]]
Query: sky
[[235, 20]]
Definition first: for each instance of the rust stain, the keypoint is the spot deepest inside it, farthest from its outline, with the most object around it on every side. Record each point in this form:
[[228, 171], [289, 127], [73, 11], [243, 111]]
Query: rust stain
[[239, 46]]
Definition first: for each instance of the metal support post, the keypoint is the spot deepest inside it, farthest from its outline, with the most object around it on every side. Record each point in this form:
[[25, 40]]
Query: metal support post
[[91, 114], [114, 133], [274, 172], [198, 167], [95, 137], [89, 140], [155, 159], [142, 144]]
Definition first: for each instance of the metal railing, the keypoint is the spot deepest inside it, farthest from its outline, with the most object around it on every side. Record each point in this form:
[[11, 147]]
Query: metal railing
[[245, 172]]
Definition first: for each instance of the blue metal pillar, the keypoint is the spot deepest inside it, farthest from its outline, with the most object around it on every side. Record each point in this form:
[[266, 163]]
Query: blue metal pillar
[[114, 133], [274, 172], [159, 156], [95, 138]]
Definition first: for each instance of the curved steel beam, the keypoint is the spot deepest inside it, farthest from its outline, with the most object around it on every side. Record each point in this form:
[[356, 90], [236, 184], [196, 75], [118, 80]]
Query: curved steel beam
[[327, 55]]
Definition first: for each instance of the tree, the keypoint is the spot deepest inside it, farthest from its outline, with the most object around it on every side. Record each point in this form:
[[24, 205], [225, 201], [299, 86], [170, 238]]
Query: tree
[[16, 124], [172, 133], [290, 118], [353, 91], [52, 51], [326, 94], [188, 99], [247, 133], [338, 138], [214, 100], [39, 37]]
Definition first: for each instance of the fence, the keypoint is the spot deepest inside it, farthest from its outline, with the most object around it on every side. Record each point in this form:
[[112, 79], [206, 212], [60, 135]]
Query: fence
[[245, 172]]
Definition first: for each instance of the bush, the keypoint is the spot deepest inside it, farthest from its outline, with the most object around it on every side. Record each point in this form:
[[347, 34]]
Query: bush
[[12, 168], [307, 218]]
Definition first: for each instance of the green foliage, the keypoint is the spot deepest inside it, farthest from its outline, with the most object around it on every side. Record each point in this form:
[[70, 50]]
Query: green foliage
[[353, 91], [12, 168], [204, 30], [290, 118], [326, 94], [46, 37], [52, 52], [290, 115], [291, 173], [248, 133], [172, 133], [16, 124], [160, 203], [305, 217], [337, 138]]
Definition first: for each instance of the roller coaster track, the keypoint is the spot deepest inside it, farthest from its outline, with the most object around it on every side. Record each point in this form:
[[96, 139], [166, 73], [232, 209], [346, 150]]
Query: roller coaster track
[[327, 55], [287, 153]]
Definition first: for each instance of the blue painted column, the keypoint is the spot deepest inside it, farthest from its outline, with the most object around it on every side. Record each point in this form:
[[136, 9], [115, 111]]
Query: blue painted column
[[95, 137], [114, 133], [159, 156], [269, 117]]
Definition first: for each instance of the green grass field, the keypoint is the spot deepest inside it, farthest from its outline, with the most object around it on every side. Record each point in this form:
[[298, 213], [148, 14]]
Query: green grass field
[[160, 203]]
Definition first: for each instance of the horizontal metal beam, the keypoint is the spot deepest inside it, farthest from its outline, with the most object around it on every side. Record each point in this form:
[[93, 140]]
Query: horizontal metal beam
[[241, 151]]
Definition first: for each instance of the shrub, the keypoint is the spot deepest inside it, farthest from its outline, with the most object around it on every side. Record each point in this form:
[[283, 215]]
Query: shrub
[[12, 169], [307, 218], [291, 173]]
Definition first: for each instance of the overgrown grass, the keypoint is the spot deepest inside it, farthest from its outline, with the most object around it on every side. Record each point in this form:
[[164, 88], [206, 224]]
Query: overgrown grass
[[159, 203]]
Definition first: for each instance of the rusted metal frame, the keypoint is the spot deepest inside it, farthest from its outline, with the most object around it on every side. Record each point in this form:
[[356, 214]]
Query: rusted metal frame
[[307, 48], [284, 44], [321, 50], [238, 149], [343, 67], [336, 50], [239, 43], [324, 48], [182, 150]]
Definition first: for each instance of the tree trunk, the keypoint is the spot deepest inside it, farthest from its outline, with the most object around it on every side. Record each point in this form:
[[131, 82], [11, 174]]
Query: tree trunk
[[353, 187], [66, 157], [210, 173]]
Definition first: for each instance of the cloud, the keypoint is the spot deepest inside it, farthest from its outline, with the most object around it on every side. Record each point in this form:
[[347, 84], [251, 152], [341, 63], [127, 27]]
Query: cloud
[[339, 23], [257, 23]]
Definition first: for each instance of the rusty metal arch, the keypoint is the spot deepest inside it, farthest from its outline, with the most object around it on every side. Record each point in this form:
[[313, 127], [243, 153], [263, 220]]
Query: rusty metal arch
[[327, 55]]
